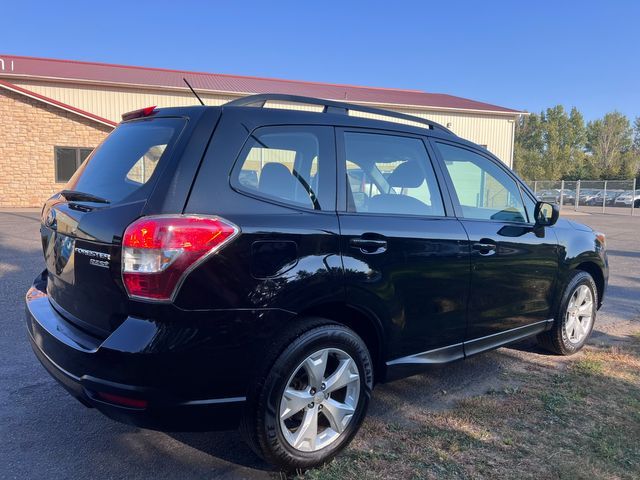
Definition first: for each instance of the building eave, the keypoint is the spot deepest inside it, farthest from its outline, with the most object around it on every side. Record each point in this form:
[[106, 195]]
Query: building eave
[[50, 101], [148, 87]]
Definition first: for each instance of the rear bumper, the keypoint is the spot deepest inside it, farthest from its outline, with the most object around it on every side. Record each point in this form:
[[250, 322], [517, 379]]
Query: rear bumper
[[166, 374]]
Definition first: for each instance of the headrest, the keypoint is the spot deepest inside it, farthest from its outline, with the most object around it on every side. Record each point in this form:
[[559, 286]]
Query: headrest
[[276, 180], [406, 175]]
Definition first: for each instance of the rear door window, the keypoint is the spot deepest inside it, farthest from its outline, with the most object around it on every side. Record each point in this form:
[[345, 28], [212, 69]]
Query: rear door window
[[390, 174], [291, 164], [127, 159]]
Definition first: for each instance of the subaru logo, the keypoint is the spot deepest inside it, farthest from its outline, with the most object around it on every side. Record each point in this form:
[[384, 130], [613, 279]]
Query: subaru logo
[[50, 221]]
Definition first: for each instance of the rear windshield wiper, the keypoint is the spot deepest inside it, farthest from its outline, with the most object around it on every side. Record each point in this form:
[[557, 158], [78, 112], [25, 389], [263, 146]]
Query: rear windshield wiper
[[82, 196]]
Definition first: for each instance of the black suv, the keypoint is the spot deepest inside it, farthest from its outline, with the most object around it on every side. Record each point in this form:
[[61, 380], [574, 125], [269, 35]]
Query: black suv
[[263, 268]]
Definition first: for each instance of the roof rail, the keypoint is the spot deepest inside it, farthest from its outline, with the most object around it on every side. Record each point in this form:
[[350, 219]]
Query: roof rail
[[330, 106]]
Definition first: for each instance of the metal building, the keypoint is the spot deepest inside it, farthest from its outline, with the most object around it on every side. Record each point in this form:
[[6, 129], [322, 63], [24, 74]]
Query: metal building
[[53, 112]]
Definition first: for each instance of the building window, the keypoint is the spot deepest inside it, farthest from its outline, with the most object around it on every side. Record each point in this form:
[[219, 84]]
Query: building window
[[68, 159]]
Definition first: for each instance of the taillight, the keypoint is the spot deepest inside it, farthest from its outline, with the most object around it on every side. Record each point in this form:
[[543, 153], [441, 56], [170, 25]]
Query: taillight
[[158, 252]]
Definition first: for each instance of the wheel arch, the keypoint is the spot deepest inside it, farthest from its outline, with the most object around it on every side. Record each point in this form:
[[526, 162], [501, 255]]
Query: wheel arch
[[362, 322], [593, 269]]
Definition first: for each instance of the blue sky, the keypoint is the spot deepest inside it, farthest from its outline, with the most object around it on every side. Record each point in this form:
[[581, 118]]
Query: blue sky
[[521, 55]]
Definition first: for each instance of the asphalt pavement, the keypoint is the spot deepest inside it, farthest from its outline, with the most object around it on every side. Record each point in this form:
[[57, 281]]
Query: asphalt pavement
[[45, 433]]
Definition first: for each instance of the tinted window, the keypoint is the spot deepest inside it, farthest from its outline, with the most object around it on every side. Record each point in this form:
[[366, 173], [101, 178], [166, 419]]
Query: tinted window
[[127, 158], [484, 190], [390, 174], [287, 164]]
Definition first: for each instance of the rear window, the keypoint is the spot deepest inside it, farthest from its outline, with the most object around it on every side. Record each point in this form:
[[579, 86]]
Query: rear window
[[127, 159]]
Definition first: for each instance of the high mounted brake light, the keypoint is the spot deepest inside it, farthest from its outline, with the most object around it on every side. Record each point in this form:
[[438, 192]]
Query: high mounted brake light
[[143, 112], [158, 252]]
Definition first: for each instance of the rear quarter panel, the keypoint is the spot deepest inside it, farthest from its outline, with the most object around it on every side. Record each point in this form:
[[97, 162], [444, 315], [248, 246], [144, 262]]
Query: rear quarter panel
[[245, 274]]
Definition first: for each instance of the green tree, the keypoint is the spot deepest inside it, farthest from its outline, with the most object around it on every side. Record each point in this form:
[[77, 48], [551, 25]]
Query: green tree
[[629, 165], [529, 144], [636, 135], [554, 145], [577, 137], [607, 140], [555, 123], [550, 145]]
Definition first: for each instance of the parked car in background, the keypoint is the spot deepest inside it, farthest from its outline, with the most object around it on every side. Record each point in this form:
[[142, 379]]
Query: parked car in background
[[627, 198], [199, 296], [568, 197], [587, 194], [609, 198]]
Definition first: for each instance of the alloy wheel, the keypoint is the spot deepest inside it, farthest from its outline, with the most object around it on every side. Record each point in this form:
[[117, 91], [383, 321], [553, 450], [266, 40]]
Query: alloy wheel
[[319, 400], [579, 314]]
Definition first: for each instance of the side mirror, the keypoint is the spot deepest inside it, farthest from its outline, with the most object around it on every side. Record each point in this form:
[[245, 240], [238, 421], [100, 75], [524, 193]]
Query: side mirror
[[546, 214]]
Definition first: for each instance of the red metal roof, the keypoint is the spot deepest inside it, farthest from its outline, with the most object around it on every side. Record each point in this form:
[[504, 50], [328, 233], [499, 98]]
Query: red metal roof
[[71, 70], [56, 103]]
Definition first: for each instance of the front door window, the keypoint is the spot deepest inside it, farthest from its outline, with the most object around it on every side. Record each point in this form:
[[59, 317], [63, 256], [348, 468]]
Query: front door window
[[484, 190]]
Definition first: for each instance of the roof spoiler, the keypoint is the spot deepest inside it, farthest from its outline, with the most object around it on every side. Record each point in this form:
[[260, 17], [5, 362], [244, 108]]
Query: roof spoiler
[[143, 112]]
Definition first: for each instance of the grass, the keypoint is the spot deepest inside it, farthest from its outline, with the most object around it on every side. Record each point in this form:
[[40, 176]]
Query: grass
[[575, 419]]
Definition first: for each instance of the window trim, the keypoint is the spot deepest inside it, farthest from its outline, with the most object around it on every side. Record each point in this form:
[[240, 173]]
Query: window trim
[[78, 161], [451, 188], [342, 173], [325, 138], [530, 219]]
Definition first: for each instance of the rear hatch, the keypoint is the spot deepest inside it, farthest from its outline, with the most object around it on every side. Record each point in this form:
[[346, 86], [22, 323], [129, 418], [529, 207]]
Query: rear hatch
[[82, 226]]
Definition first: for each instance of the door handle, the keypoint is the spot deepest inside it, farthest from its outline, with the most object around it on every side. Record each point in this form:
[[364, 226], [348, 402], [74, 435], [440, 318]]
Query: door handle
[[369, 245], [485, 247]]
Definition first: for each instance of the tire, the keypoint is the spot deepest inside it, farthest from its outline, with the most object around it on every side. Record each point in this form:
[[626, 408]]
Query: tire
[[293, 362], [571, 328]]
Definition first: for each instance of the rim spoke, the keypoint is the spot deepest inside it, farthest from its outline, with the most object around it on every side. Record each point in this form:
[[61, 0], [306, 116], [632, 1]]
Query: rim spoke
[[346, 373], [293, 401], [579, 330], [338, 414], [581, 295], [308, 431], [315, 366], [585, 309], [570, 326]]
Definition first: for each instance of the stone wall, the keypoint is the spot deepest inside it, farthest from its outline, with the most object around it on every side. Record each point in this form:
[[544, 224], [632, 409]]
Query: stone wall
[[29, 131]]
